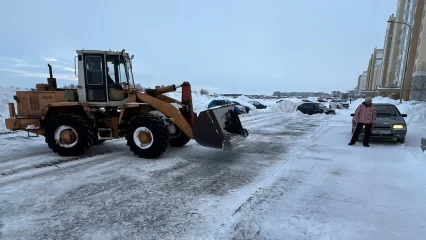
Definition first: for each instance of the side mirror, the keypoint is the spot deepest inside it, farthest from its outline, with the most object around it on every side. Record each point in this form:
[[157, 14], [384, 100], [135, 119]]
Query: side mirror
[[352, 114], [404, 115]]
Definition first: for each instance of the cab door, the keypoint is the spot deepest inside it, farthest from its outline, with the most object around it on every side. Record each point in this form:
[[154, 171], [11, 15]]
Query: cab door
[[95, 80]]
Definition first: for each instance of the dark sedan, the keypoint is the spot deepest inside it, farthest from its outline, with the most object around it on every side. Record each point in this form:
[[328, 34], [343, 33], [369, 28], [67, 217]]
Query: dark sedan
[[314, 108], [246, 107], [390, 123], [257, 104]]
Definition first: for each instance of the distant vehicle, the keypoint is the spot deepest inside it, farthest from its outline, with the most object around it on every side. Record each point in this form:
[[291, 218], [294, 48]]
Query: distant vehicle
[[390, 123], [257, 104], [321, 100], [345, 103], [223, 102], [239, 104], [305, 100], [335, 104], [314, 108]]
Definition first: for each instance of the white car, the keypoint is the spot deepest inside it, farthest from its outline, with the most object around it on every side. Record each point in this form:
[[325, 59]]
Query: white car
[[335, 104]]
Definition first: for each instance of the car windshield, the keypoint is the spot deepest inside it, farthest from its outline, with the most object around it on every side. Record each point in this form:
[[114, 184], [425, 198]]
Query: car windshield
[[322, 105], [386, 110]]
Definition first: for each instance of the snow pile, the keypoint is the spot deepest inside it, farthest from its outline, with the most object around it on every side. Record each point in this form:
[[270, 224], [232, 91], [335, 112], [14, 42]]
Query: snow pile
[[199, 101], [243, 100], [6, 96], [284, 106]]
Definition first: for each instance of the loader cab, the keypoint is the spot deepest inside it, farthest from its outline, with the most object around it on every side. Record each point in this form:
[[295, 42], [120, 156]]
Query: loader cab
[[104, 77]]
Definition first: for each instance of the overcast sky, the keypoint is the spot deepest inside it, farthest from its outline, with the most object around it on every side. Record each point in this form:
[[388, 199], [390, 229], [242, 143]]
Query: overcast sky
[[227, 46]]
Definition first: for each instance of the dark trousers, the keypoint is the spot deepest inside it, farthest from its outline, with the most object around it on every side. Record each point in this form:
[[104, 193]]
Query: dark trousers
[[367, 133]]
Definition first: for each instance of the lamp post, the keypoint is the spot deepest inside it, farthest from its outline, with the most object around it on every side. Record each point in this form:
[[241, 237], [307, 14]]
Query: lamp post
[[406, 57]]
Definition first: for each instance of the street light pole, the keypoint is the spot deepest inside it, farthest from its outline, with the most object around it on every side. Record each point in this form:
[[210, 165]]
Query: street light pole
[[406, 57]]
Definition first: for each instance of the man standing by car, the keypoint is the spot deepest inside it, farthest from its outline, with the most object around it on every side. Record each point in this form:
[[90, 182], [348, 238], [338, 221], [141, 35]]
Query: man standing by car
[[365, 115]]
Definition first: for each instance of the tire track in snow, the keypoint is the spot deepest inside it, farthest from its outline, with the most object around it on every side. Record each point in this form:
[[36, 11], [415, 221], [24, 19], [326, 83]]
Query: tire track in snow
[[30, 172], [36, 158], [242, 224], [157, 199]]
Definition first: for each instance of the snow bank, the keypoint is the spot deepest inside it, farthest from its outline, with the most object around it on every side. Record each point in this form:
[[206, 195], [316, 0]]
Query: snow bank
[[6, 96], [243, 100], [199, 101], [284, 106]]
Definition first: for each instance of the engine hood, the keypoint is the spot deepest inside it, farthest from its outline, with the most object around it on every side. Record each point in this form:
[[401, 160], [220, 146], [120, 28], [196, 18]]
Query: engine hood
[[389, 120]]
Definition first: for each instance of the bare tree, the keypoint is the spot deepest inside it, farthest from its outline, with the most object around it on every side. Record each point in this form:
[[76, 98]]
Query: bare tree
[[418, 86], [204, 91], [138, 86]]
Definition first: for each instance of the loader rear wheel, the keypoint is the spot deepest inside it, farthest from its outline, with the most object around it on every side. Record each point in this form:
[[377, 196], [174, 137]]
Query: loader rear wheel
[[179, 139], [147, 136], [69, 135]]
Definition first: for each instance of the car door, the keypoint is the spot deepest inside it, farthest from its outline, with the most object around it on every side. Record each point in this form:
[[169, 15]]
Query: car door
[[305, 108]]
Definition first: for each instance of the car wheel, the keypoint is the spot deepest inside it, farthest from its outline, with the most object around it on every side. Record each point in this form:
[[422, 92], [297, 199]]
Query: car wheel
[[401, 140]]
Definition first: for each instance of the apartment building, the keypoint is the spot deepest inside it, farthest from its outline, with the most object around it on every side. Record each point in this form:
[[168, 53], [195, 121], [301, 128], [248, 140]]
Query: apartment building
[[362, 80], [413, 14], [418, 80], [404, 52], [387, 54], [394, 52], [374, 70]]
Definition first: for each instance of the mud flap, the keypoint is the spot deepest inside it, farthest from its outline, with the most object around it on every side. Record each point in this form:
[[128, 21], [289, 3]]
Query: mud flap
[[219, 128]]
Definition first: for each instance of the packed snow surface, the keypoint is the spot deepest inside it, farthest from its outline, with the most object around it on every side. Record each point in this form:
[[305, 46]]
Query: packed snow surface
[[294, 177]]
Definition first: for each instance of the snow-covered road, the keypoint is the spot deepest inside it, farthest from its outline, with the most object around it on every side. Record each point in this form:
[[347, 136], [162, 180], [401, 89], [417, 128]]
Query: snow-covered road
[[295, 177], [329, 190], [109, 193]]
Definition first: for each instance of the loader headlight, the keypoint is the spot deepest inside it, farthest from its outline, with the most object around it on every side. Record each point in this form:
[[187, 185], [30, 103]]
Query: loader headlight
[[398, 127]]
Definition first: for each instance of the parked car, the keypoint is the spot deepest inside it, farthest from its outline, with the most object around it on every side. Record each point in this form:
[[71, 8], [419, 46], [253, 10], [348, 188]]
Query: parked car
[[314, 108], [321, 100], [222, 102], [239, 104], [345, 103], [390, 123], [335, 104], [257, 104]]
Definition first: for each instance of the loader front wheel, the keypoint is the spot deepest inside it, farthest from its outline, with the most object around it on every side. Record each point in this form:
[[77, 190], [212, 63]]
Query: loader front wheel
[[179, 139], [147, 136], [69, 135]]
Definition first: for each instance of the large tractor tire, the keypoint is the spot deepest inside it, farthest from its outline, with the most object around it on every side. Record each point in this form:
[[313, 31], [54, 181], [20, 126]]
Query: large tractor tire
[[147, 136], [69, 135], [179, 139]]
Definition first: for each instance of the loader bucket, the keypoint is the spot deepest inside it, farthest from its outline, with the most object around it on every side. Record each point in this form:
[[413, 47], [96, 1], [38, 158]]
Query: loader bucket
[[219, 127]]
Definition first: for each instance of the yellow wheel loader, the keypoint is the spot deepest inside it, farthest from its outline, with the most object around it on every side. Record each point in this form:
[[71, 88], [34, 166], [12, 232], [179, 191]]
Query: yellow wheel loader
[[106, 105]]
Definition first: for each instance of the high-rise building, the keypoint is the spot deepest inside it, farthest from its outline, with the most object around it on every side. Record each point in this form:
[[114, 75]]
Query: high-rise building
[[374, 69], [412, 15], [403, 54], [418, 79], [393, 54], [362, 80], [387, 54]]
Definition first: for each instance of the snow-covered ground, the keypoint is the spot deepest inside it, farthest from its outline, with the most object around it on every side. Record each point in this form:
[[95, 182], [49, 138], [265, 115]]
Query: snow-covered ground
[[295, 177]]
